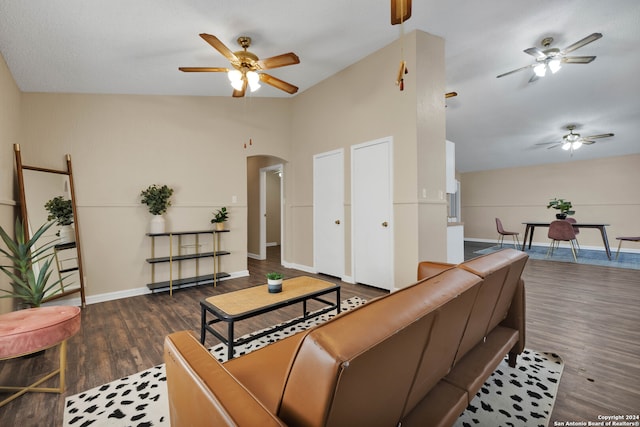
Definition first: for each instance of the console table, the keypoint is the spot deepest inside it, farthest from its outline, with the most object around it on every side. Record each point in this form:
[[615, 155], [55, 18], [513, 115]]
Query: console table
[[179, 256], [531, 226]]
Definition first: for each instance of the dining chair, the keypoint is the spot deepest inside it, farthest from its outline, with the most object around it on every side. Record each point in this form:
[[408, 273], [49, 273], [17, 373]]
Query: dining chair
[[561, 231], [625, 239], [576, 230], [502, 232]]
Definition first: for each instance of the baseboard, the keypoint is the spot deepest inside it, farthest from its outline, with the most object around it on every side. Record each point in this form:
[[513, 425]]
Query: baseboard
[[254, 256], [305, 268], [111, 296], [269, 244]]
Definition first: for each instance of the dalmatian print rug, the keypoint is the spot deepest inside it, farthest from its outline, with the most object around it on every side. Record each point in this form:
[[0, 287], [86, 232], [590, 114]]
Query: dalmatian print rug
[[523, 396], [510, 397]]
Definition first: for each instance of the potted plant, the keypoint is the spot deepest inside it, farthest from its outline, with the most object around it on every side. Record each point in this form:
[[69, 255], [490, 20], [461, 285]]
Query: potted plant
[[219, 218], [564, 206], [157, 200], [61, 210], [28, 285], [274, 282]]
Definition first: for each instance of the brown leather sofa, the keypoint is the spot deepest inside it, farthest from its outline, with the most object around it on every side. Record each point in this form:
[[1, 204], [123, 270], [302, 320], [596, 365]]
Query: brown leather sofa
[[415, 357]]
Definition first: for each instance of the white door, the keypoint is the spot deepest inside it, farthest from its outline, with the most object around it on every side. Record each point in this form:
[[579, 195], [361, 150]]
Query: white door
[[372, 209], [328, 213]]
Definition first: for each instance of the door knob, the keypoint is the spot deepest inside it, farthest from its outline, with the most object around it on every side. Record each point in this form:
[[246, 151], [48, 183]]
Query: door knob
[[337, 221], [385, 224]]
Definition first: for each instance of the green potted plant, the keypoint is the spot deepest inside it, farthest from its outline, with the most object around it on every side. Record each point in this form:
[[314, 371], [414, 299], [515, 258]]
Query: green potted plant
[[61, 211], [219, 218], [274, 282], [564, 206], [157, 199], [28, 285]]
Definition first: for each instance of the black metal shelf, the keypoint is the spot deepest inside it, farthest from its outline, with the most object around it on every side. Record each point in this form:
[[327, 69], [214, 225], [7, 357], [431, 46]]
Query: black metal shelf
[[185, 257], [172, 283], [178, 283]]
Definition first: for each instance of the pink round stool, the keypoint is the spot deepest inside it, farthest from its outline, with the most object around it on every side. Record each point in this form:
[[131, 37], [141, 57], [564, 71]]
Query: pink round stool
[[32, 330]]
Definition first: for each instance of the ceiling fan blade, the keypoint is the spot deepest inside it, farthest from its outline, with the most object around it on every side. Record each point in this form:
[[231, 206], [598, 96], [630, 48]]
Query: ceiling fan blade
[[587, 142], [400, 11], [578, 59], [554, 146], [604, 135], [547, 143], [219, 46], [203, 69], [533, 78], [240, 93], [277, 83], [279, 61], [515, 71], [590, 38], [534, 51]]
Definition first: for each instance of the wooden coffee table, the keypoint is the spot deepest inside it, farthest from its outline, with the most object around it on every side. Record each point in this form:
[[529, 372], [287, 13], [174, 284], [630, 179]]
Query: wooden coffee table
[[245, 303]]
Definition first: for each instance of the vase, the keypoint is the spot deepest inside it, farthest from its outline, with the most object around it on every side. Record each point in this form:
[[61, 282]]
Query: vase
[[67, 234], [274, 286], [219, 226], [157, 225], [561, 216]]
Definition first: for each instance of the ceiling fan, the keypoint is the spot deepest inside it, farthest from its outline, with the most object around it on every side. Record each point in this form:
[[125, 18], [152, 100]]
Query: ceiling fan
[[553, 58], [247, 67], [572, 141]]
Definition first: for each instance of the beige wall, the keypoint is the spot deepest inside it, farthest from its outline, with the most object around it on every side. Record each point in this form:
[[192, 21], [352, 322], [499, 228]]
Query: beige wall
[[360, 104], [121, 144], [9, 119], [603, 190]]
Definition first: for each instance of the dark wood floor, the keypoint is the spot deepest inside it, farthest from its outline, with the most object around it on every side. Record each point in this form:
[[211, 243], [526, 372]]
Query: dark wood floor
[[589, 315]]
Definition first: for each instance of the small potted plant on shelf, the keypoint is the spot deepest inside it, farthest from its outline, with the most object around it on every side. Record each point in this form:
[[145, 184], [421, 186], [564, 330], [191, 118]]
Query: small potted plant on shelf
[[219, 218], [156, 198], [274, 282], [27, 286], [564, 206], [61, 210]]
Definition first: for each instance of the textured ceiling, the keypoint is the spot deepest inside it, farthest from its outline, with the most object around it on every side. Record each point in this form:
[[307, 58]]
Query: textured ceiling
[[135, 47]]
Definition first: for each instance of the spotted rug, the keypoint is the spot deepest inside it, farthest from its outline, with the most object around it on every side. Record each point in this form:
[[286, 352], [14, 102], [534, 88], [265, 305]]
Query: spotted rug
[[523, 396]]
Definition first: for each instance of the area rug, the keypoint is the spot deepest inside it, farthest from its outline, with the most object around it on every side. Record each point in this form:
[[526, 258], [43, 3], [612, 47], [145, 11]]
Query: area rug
[[523, 396], [585, 256]]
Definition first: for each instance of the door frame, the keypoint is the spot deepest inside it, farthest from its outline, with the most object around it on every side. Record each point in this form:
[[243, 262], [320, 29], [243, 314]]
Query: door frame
[[263, 209]]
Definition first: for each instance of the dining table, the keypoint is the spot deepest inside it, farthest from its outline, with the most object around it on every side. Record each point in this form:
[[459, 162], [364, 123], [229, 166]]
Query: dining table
[[531, 226]]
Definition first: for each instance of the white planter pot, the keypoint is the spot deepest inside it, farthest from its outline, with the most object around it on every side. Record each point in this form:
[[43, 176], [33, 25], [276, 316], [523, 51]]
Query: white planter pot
[[67, 234], [156, 226], [274, 286]]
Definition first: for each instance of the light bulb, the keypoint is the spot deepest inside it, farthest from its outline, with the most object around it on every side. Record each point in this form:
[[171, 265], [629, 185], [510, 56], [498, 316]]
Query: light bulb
[[237, 84], [254, 80], [576, 145], [554, 65], [566, 146], [540, 70], [234, 76]]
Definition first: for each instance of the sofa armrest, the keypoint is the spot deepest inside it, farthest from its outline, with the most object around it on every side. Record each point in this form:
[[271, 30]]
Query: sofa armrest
[[428, 269], [202, 392], [516, 319]]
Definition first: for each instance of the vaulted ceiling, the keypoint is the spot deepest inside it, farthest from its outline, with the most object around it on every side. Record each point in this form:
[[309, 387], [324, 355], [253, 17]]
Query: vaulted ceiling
[[136, 47]]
